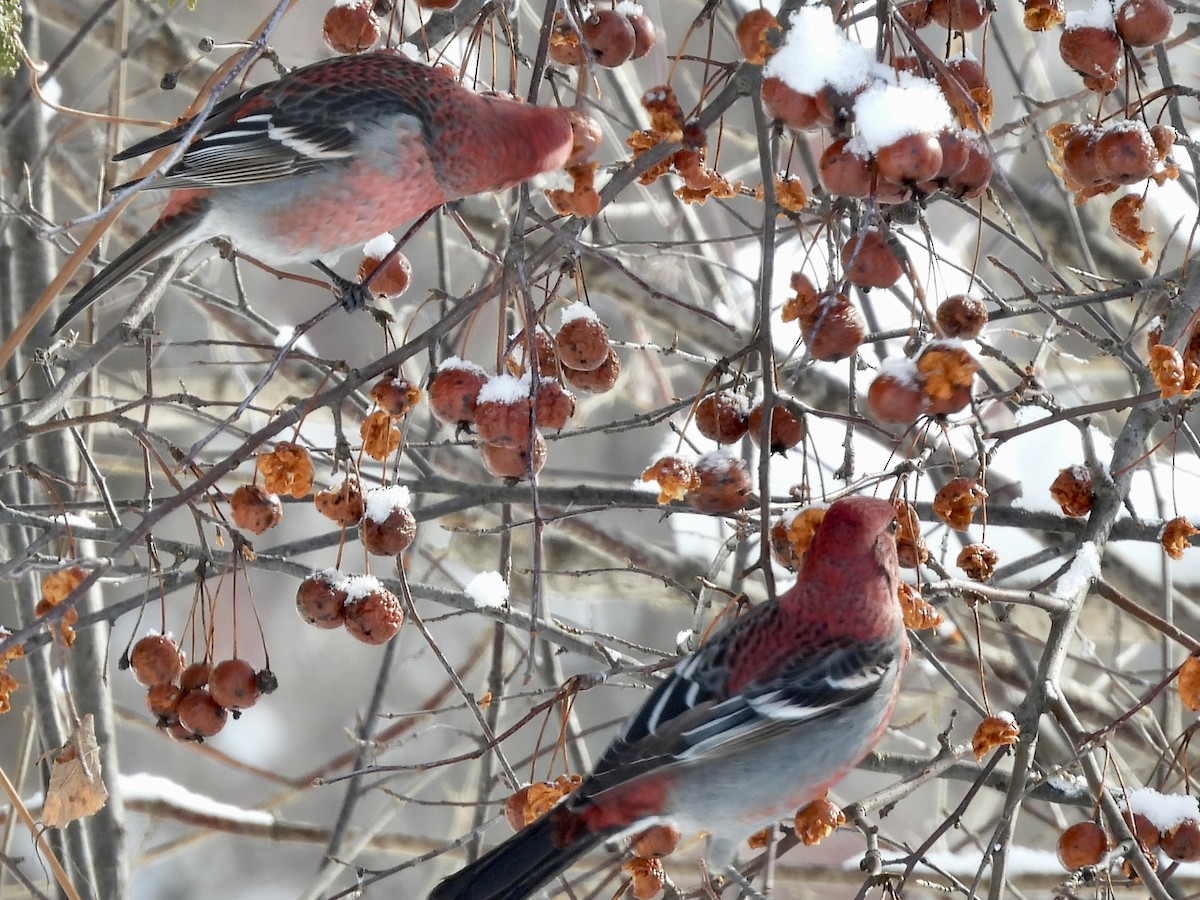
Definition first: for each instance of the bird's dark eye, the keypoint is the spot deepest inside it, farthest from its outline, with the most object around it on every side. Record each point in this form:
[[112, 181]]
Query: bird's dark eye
[[894, 525]]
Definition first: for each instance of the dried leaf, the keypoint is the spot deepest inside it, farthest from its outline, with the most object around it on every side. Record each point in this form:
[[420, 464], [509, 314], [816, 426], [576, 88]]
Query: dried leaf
[[76, 788]]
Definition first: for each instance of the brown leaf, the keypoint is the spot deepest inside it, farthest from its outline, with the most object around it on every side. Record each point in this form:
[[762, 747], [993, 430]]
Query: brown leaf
[[76, 788]]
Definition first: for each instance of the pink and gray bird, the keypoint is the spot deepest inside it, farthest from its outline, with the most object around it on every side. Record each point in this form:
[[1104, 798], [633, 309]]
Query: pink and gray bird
[[761, 720], [334, 154]]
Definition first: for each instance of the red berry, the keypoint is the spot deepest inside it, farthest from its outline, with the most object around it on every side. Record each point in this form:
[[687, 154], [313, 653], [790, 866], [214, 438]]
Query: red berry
[[973, 179], [724, 487], [200, 714], [895, 396], [196, 675], [644, 34], [554, 404], [1182, 843], [794, 109], [832, 328], [513, 462], [786, 429], [723, 416], [395, 394], [962, 316], [321, 599], [1083, 844], [910, 159], [609, 36], [1090, 50], [502, 411], [163, 699], [843, 172], [869, 261], [341, 502], [751, 34], [454, 389], [390, 281], [155, 659], [234, 684], [959, 15], [1144, 23], [351, 26]]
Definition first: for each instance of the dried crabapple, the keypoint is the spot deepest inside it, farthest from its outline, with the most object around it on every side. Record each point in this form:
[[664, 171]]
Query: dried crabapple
[[600, 380], [955, 155], [1166, 365], [380, 436], [351, 26], [1082, 844], [582, 339], [869, 261], [454, 391], [1072, 490], [1143, 829], [554, 404], [817, 820], [156, 659], [287, 469], [1125, 218], [647, 877], [915, 12], [321, 599], [1144, 23], [655, 842], [543, 346], [804, 300], [1182, 843], [910, 159], [565, 46], [1188, 683], [393, 278], [234, 684], [341, 502], [1042, 15], [1175, 537], [843, 172], [388, 526], [947, 371], [675, 477], [724, 486], [919, 614], [395, 394], [196, 675], [533, 801], [1090, 50], [513, 462], [254, 509], [994, 731], [973, 178], [609, 37], [722, 416], [956, 501], [200, 714], [753, 35], [502, 411], [792, 533], [966, 88], [1125, 153], [833, 329], [978, 561], [962, 316], [56, 586], [786, 430], [373, 613], [910, 543]]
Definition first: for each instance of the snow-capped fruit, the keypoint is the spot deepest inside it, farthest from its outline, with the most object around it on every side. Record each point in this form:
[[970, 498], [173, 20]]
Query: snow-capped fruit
[[724, 486], [391, 280], [896, 399], [156, 659], [374, 617], [1182, 843], [395, 394], [234, 684], [388, 526], [582, 343], [910, 159], [453, 391], [1090, 50], [321, 599], [1126, 154]]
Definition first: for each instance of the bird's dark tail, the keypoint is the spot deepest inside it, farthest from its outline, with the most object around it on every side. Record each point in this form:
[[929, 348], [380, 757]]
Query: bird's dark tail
[[168, 233], [525, 862]]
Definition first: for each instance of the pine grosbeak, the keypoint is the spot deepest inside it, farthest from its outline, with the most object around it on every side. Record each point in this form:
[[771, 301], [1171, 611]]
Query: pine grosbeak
[[759, 721], [333, 154]]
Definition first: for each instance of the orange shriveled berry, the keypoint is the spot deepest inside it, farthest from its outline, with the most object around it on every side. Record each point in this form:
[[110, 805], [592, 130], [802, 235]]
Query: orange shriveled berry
[[395, 394], [57, 585], [351, 26], [724, 487], [287, 469], [1072, 490], [646, 877], [373, 613], [962, 316], [817, 820], [655, 842], [948, 371], [1175, 536], [792, 534], [1188, 683], [341, 502], [1083, 844], [993, 732], [754, 32], [956, 501], [380, 436], [675, 476], [910, 544], [1166, 365], [1182, 843], [978, 561], [919, 614]]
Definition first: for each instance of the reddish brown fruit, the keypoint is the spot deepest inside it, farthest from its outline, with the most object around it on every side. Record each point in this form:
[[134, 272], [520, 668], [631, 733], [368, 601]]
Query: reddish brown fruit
[[911, 159], [513, 462], [1182, 843], [196, 675], [254, 509], [609, 37], [1090, 50], [234, 684], [722, 416], [916, 13], [724, 487], [341, 502], [644, 34], [321, 599], [1042, 15], [388, 526], [1083, 844], [962, 316], [1144, 23], [869, 261], [156, 659], [844, 173], [833, 329], [390, 281], [163, 699], [973, 179], [554, 405], [200, 714], [1125, 153], [373, 614], [752, 35], [655, 842], [502, 412], [1072, 491], [959, 15], [582, 341], [454, 390], [786, 429], [794, 109], [565, 46], [895, 396], [351, 27], [395, 394], [599, 380]]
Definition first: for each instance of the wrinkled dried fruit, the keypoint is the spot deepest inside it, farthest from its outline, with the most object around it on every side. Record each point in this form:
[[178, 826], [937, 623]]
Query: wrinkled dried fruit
[[956, 501], [993, 732], [1175, 536], [817, 820], [675, 476], [724, 486], [978, 561], [1072, 490], [287, 469], [919, 614]]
